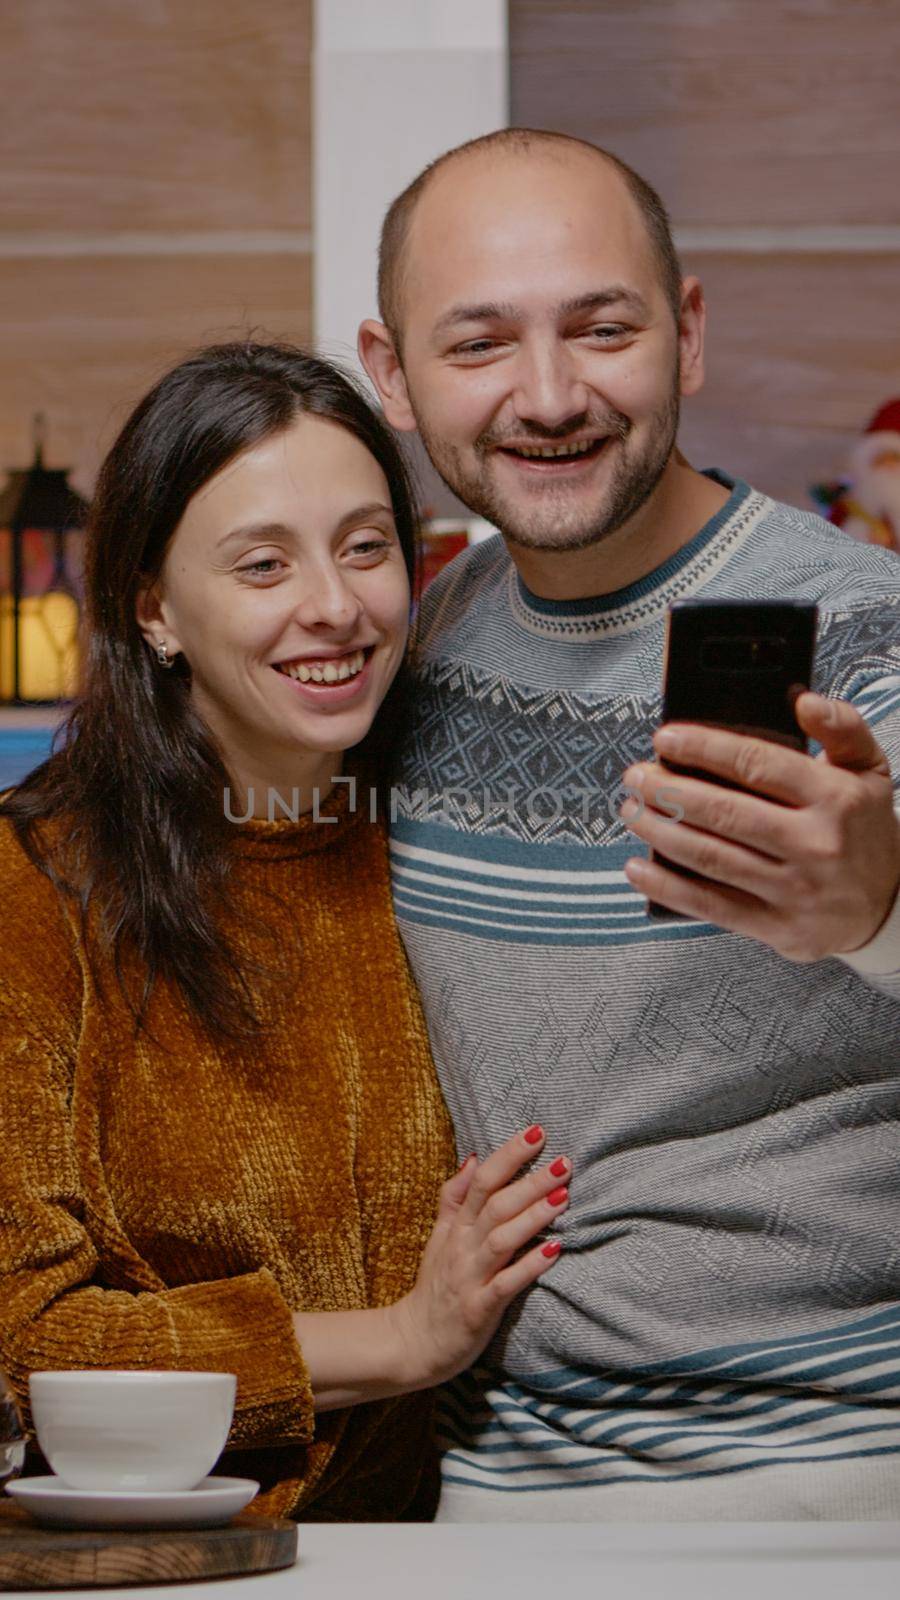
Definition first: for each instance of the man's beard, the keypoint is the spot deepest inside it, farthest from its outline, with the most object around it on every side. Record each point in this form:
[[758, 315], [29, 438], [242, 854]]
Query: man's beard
[[554, 524]]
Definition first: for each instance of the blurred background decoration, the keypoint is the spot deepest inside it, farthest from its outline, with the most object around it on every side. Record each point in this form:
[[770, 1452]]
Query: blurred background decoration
[[40, 582], [442, 539], [866, 503]]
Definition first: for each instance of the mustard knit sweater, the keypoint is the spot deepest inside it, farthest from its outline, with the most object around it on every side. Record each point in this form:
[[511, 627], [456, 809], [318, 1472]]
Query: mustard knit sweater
[[167, 1205]]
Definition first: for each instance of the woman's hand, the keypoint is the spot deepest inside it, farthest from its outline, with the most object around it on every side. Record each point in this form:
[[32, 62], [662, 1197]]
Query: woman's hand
[[468, 1276], [471, 1269]]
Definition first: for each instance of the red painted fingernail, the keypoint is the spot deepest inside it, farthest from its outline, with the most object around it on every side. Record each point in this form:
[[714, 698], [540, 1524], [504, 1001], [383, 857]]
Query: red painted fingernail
[[558, 1195], [465, 1161], [551, 1248], [534, 1134], [559, 1167]]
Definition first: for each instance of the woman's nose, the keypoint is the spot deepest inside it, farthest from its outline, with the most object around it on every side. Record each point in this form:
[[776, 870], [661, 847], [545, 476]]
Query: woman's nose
[[327, 601]]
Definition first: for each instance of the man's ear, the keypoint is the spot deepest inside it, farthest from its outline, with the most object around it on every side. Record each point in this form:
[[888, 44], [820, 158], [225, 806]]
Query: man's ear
[[380, 359], [691, 332], [154, 619]]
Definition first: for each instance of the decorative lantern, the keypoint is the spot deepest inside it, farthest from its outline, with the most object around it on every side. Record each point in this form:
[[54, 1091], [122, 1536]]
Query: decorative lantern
[[40, 583]]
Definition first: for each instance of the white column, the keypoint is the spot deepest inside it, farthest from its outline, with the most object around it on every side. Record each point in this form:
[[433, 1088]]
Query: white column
[[395, 83]]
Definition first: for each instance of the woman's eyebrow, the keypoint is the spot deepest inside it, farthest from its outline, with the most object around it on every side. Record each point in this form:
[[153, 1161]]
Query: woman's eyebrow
[[280, 530], [372, 508], [253, 530]]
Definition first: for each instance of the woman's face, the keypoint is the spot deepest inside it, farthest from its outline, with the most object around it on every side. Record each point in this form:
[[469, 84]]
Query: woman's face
[[284, 586]]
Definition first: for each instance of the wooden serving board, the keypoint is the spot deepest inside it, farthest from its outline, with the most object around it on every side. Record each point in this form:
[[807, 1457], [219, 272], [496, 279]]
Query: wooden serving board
[[32, 1557]]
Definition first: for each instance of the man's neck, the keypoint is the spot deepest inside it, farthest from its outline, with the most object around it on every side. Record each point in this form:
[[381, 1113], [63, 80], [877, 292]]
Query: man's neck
[[680, 505]]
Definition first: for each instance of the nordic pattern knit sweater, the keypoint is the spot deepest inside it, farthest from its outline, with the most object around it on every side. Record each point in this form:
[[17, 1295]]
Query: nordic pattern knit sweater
[[168, 1205], [726, 1307]]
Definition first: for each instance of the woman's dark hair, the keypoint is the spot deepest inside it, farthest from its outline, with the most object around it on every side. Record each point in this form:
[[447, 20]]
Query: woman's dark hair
[[135, 774]]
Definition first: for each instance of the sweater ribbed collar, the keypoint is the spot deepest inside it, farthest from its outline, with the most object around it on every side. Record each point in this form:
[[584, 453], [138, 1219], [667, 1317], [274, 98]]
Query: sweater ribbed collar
[[323, 828], [645, 601]]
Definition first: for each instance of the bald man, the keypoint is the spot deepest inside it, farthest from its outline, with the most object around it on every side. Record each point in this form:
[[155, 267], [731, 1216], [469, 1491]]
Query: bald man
[[720, 1336]]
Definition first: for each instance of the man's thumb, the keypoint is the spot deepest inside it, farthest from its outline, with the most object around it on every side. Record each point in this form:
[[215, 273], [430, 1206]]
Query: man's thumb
[[845, 737]]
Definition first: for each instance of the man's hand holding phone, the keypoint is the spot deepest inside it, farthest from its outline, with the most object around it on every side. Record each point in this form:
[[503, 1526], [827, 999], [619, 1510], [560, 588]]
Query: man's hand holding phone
[[801, 853]]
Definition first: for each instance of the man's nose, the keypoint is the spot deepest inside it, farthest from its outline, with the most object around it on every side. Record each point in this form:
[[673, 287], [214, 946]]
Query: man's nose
[[549, 391]]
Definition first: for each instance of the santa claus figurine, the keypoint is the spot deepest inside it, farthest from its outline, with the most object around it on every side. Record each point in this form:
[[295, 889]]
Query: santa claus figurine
[[867, 506]]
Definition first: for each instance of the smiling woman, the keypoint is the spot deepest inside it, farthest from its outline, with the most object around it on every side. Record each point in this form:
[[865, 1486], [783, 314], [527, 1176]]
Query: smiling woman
[[224, 1143], [295, 619], [184, 572]]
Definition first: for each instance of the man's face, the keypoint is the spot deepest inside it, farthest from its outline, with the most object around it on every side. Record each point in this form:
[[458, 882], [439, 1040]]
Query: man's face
[[540, 355]]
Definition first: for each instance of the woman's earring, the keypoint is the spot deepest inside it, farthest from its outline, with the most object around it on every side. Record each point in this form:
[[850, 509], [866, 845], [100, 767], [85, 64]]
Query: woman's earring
[[162, 656]]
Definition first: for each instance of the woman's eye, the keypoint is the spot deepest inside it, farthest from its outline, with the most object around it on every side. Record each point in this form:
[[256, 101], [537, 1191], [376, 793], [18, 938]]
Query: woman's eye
[[367, 547], [262, 569]]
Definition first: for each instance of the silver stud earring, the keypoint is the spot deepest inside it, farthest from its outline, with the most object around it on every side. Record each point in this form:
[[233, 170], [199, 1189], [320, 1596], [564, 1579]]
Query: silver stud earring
[[162, 656]]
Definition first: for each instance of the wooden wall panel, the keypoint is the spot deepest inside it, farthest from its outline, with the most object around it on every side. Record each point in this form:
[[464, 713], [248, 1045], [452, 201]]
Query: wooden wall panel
[[154, 194], [159, 115], [90, 335], [738, 111], [795, 364]]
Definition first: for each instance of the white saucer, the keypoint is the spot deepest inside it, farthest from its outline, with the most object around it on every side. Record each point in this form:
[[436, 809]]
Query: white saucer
[[213, 1502]]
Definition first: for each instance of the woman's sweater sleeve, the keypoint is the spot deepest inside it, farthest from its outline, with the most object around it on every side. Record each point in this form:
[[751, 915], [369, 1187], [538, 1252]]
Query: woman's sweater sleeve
[[61, 1305]]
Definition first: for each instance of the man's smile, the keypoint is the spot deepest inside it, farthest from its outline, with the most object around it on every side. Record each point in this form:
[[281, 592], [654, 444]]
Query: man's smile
[[551, 451], [567, 459]]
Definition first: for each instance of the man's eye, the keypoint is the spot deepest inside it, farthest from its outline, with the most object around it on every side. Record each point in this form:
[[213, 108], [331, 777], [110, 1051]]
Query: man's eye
[[474, 347], [607, 331]]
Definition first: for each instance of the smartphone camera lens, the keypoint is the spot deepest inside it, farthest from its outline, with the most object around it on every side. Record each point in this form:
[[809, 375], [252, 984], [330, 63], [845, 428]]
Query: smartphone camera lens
[[749, 653]]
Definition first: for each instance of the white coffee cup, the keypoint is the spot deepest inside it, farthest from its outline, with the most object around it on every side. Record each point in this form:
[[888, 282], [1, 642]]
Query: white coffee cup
[[132, 1430]]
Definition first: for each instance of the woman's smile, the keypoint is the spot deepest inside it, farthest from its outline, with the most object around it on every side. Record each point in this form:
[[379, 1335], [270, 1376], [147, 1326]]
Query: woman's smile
[[329, 680]]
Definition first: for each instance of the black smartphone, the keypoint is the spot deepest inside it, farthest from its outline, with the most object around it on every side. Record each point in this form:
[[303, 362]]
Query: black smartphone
[[736, 664]]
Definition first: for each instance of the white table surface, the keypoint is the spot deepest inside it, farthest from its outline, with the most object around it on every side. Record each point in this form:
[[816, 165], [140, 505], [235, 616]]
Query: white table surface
[[542, 1561]]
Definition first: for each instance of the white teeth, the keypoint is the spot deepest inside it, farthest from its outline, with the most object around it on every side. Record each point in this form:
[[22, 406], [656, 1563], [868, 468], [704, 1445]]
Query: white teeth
[[326, 671], [549, 452]]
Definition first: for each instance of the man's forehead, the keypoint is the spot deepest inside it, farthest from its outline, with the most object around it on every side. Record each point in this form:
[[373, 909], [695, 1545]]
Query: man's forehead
[[494, 176], [488, 227]]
